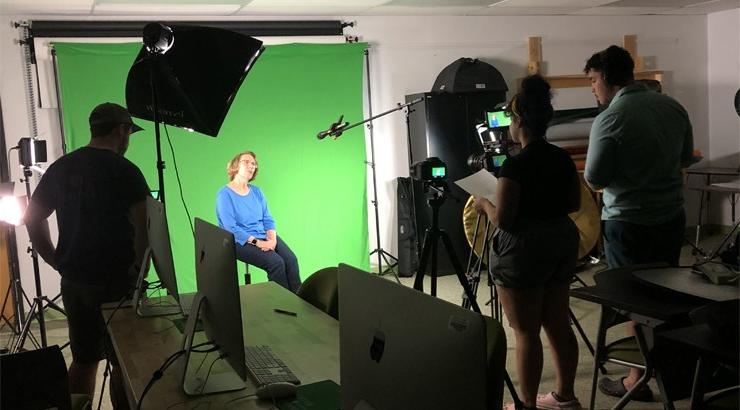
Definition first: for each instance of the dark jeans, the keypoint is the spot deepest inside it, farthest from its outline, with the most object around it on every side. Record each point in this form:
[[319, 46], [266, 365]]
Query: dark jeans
[[281, 264], [626, 243]]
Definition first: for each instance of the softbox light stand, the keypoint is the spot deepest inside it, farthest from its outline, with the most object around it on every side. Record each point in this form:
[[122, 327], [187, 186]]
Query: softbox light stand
[[187, 77]]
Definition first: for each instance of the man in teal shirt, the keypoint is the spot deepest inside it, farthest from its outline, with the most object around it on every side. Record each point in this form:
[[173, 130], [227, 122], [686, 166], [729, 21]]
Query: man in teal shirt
[[637, 148]]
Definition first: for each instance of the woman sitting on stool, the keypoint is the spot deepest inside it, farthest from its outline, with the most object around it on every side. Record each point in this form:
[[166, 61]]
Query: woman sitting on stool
[[242, 209]]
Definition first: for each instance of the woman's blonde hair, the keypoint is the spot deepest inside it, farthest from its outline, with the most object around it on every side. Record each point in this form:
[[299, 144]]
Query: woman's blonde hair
[[232, 167]]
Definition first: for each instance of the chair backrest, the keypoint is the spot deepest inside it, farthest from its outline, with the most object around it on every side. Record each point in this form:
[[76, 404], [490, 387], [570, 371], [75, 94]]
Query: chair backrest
[[321, 289], [35, 379]]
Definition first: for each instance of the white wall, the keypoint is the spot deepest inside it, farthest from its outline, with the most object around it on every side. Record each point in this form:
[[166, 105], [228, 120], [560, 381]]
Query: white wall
[[406, 55], [723, 52]]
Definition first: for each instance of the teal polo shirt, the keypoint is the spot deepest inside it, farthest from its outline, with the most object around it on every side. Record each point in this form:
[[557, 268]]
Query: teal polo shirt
[[636, 150]]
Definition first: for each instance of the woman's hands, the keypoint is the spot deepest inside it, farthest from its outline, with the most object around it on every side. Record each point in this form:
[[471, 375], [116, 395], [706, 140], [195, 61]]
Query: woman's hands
[[483, 206], [267, 245]]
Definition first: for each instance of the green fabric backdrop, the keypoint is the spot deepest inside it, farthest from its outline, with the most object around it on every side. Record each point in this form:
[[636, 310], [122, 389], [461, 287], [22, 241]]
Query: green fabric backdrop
[[315, 189]]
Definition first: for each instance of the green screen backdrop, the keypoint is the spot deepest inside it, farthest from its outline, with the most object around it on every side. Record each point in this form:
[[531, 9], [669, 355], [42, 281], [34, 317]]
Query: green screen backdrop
[[316, 190]]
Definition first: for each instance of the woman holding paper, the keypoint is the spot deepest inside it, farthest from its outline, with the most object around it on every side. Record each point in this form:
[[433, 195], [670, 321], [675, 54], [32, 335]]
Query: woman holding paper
[[534, 251]]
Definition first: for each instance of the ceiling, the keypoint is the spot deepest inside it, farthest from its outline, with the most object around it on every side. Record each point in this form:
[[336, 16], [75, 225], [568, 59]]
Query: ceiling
[[363, 7]]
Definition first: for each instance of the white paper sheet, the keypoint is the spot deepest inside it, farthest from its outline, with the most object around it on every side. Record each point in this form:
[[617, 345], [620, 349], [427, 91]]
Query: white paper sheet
[[480, 184]]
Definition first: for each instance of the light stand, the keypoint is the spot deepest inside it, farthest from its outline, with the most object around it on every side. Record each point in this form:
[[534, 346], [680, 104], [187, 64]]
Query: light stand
[[335, 131], [40, 302], [10, 212]]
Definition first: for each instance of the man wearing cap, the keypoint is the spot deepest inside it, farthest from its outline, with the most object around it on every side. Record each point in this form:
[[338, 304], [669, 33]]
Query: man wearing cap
[[100, 202]]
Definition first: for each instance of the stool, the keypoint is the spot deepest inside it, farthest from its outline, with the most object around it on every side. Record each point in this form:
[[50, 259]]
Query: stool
[[247, 276]]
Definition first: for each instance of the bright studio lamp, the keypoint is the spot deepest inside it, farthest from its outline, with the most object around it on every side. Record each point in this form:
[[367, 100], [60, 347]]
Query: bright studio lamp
[[11, 207]]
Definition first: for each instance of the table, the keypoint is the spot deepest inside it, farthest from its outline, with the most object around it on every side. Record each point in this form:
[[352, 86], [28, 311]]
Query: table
[[308, 343], [708, 173], [683, 281], [652, 309]]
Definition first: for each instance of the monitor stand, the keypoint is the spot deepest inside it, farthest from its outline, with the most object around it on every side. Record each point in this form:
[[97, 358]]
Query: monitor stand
[[139, 300], [194, 384]]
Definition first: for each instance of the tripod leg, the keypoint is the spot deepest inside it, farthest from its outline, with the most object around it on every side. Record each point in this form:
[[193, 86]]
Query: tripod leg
[[419, 281], [26, 328], [51, 305], [458, 270]]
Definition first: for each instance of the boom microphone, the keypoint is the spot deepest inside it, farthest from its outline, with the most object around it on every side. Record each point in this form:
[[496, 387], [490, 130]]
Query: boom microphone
[[335, 130]]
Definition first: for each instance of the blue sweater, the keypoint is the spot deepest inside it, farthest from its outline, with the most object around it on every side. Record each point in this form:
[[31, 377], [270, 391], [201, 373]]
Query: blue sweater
[[244, 215]]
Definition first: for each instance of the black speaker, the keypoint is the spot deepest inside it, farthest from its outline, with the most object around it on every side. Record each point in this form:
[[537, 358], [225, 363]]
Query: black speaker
[[443, 126]]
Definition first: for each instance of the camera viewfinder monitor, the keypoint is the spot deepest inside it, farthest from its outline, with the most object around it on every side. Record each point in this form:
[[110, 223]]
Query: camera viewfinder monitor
[[497, 119], [217, 305]]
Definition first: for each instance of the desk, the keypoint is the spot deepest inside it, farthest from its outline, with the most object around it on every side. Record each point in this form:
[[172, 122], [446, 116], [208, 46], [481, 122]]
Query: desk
[[683, 281], [652, 308], [708, 173], [307, 343]]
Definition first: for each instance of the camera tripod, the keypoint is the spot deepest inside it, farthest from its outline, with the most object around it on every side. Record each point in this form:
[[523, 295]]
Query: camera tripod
[[435, 199], [40, 302]]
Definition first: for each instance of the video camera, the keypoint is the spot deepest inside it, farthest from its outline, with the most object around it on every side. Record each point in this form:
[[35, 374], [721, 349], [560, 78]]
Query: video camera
[[493, 137], [431, 170]]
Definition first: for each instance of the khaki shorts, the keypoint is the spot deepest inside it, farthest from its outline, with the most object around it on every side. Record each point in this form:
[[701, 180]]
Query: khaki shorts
[[535, 253]]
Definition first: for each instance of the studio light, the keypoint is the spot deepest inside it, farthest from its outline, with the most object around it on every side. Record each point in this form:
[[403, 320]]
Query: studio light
[[158, 38], [11, 207]]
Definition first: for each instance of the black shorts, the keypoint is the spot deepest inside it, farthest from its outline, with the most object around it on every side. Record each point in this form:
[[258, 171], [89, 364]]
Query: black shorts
[[537, 253], [88, 337]]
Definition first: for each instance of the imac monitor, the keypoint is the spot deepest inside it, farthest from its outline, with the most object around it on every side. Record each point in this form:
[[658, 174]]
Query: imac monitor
[[217, 305], [410, 351], [159, 241], [497, 119], [160, 250]]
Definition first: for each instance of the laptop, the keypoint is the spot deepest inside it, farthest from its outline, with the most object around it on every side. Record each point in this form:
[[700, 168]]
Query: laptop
[[403, 349]]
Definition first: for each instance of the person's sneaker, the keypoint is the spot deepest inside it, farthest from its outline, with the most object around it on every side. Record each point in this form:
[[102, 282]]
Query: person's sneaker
[[549, 401], [616, 388]]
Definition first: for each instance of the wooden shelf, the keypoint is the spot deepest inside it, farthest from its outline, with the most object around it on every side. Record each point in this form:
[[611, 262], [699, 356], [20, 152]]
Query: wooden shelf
[[580, 80]]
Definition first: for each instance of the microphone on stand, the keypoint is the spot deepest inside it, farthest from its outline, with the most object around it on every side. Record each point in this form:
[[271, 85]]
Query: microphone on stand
[[335, 130]]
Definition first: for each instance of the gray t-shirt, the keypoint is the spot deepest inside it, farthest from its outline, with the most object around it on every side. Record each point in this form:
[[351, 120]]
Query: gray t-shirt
[[636, 151]]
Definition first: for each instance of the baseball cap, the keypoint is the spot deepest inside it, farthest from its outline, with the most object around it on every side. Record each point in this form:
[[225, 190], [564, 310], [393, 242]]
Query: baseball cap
[[112, 113]]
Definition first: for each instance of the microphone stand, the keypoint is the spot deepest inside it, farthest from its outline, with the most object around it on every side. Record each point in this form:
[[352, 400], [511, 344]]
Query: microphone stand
[[335, 131]]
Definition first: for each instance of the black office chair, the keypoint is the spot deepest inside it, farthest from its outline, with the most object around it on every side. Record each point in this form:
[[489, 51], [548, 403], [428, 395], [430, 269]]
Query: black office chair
[[718, 372], [37, 379], [321, 289]]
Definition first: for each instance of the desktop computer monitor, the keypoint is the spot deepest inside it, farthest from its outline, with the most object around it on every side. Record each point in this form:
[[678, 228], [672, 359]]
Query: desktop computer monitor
[[217, 305], [400, 348], [160, 250]]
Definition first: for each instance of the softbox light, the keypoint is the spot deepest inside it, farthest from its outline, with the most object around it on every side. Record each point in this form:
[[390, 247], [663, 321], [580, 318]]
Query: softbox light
[[196, 77]]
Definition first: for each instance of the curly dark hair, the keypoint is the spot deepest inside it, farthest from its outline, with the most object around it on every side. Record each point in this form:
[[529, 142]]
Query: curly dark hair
[[532, 106]]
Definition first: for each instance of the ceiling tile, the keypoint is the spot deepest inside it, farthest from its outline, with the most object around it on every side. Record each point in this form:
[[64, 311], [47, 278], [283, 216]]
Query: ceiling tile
[[707, 7], [166, 9], [621, 11], [46, 6], [652, 3], [549, 3]]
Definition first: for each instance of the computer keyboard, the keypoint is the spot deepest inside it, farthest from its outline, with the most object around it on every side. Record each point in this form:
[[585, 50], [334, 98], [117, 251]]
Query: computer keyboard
[[266, 368]]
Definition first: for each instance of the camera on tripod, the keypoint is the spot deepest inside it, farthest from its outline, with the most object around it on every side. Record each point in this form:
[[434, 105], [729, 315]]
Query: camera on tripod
[[493, 137], [429, 171]]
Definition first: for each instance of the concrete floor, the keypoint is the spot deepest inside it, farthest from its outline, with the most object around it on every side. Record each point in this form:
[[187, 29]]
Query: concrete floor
[[449, 289]]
